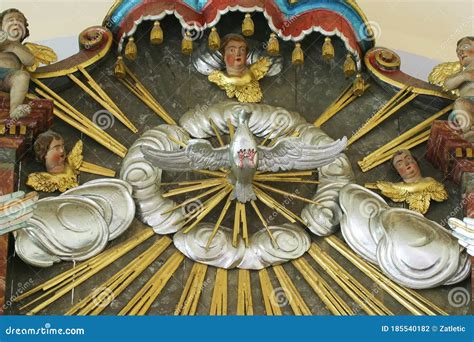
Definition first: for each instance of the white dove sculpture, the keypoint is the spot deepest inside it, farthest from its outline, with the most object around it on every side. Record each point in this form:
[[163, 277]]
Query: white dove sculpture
[[243, 156]]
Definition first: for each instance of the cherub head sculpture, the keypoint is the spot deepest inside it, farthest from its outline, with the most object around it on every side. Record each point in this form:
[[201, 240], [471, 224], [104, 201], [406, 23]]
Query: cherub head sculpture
[[49, 148], [234, 50], [15, 24], [406, 166], [465, 51]]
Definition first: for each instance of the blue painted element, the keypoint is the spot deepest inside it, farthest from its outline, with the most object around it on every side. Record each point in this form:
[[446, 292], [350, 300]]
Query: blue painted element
[[338, 6]]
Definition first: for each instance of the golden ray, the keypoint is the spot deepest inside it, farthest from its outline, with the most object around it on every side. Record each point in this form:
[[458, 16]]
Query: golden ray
[[76, 119], [213, 202], [244, 294], [273, 204], [111, 107], [144, 298], [399, 100], [204, 194], [409, 144], [264, 222], [96, 301], [325, 292], [231, 128], [133, 84], [354, 289], [216, 132], [188, 302], [345, 98], [406, 136], [219, 295], [219, 220], [204, 185], [286, 174], [285, 193], [292, 294], [236, 231], [96, 169], [286, 180], [58, 280], [268, 293], [243, 217], [95, 269]]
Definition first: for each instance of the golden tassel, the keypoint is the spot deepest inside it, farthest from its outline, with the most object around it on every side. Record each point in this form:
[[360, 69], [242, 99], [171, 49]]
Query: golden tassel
[[156, 34], [328, 49], [349, 66], [297, 57], [119, 69], [214, 42], [273, 47], [187, 44], [131, 49], [247, 26], [359, 85]]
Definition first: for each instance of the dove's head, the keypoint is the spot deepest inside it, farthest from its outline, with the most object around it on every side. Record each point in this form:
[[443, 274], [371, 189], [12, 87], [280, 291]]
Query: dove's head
[[243, 114]]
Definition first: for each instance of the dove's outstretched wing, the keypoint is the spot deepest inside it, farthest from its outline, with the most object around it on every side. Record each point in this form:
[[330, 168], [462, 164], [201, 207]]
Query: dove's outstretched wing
[[294, 154], [199, 154], [43, 55]]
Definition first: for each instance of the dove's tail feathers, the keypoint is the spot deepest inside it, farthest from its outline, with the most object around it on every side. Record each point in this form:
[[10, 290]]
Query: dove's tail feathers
[[243, 192]]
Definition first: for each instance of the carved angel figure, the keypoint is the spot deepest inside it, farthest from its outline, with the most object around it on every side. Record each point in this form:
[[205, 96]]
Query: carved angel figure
[[62, 180], [243, 156], [244, 67], [458, 77], [15, 56], [416, 190]]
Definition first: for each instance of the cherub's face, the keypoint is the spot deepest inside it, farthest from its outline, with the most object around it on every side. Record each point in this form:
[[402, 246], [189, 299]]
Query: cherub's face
[[465, 52], [55, 158], [235, 54], [14, 25], [406, 166]]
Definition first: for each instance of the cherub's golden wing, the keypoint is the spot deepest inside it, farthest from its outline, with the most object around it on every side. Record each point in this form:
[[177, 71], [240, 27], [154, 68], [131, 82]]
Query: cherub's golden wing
[[442, 71], [417, 201], [249, 93], [43, 55], [221, 80], [437, 191], [260, 68], [395, 191], [41, 181], [74, 159]]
